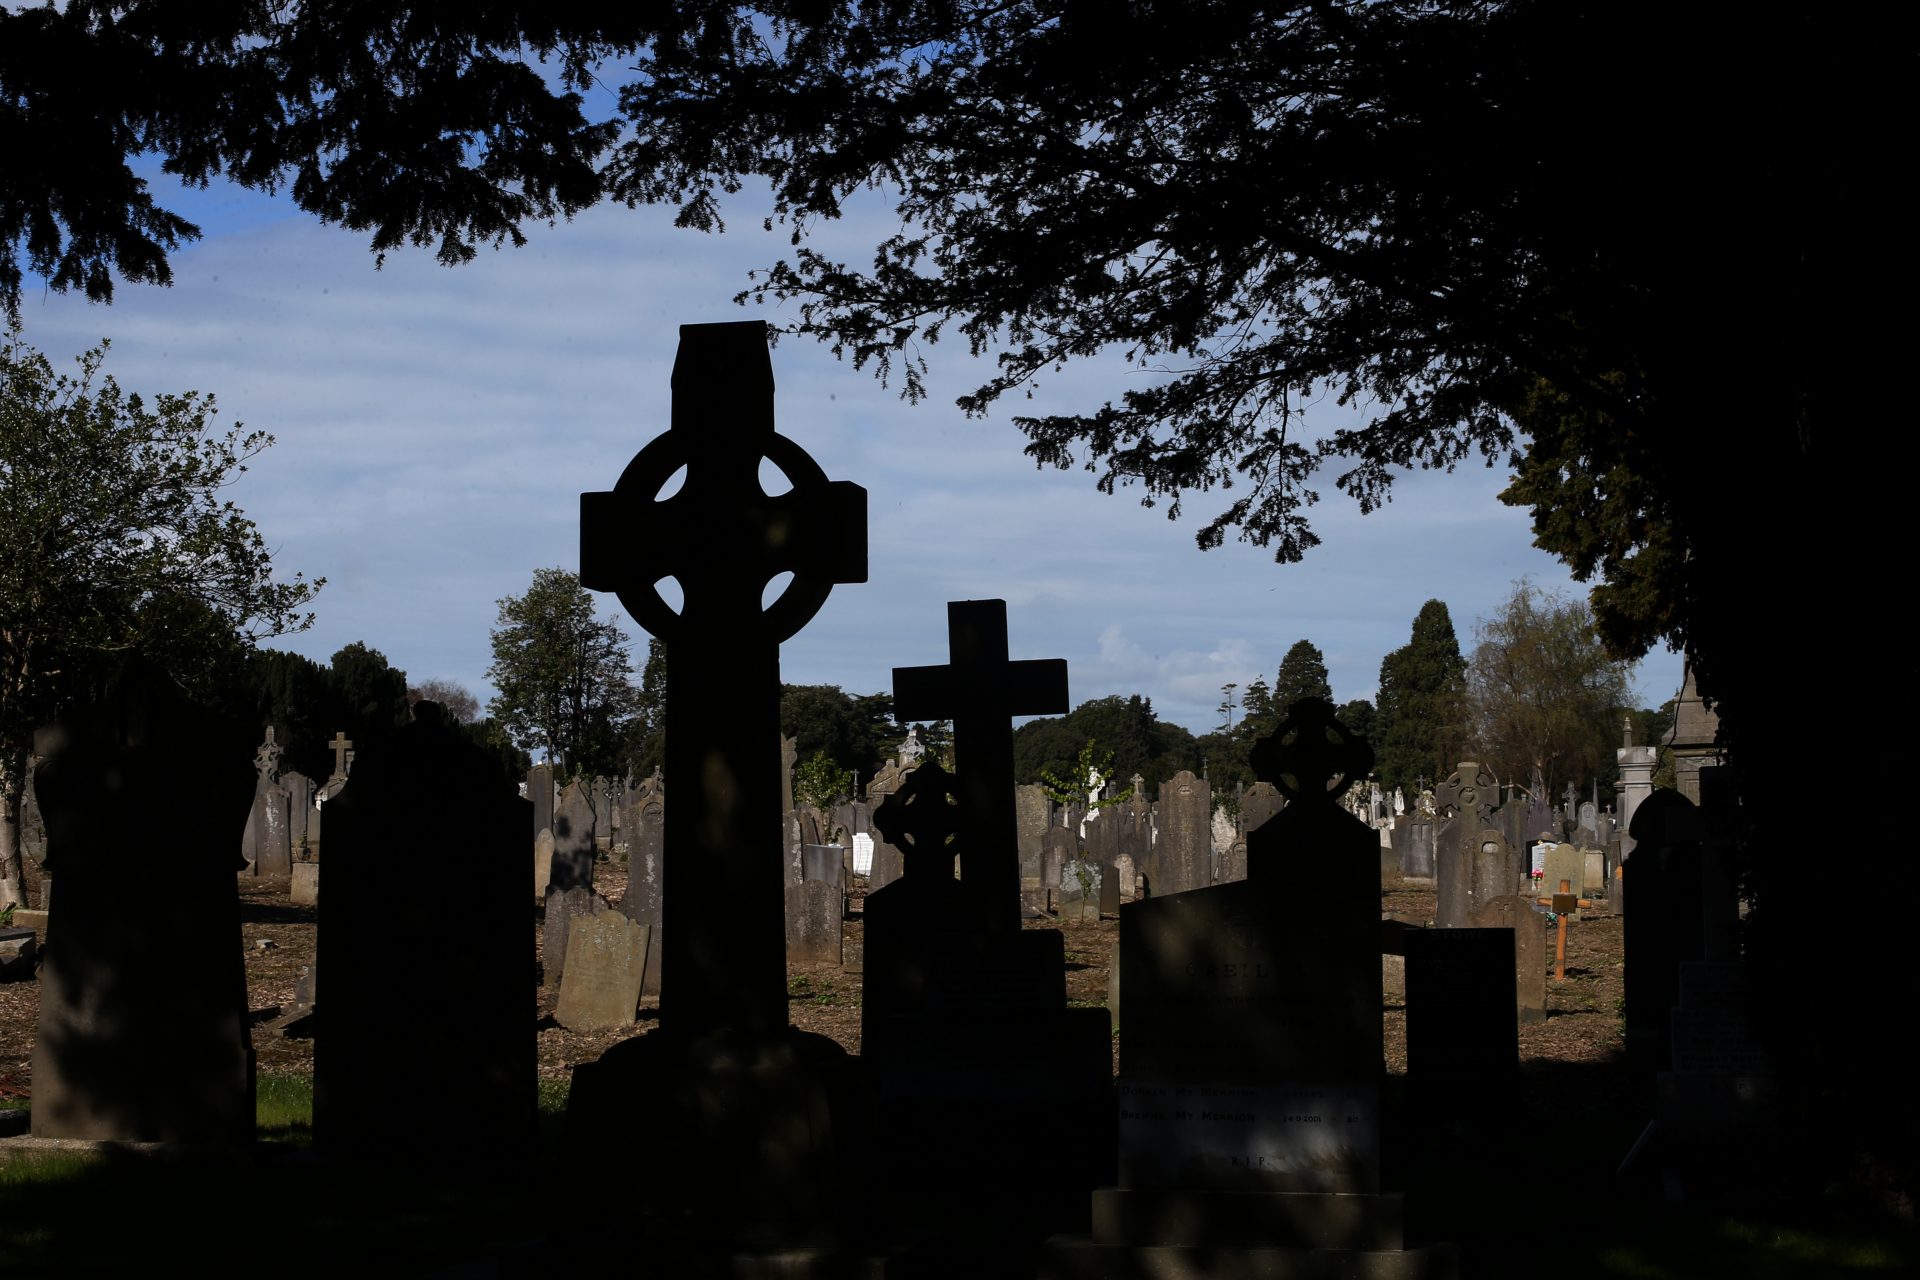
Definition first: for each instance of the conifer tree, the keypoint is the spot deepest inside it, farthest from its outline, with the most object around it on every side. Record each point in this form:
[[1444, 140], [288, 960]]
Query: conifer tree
[[1418, 716]]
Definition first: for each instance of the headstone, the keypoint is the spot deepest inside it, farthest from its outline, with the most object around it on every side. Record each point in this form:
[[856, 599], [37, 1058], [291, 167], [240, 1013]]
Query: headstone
[[1251, 1067], [605, 968], [1593, 864], [542, 863], [573, 835], [564, 906], [1565, 862], [863, 853], [540, 792], [304, 889], [1032, 811], [723, 1072], [1080, 886], [142, 1031], [887, 864], [1059, 846], [1182, 855], [1472, 855], [459, 992], [299, 808], [980, 689], [646, 871], [1667, 926], [816, 907], [964, 1021], [1529, 952], [1461, 1004], [1417, 858]]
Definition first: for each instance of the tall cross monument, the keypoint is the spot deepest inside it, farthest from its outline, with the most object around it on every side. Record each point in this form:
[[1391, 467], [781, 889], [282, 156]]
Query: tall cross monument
[[723, 539]]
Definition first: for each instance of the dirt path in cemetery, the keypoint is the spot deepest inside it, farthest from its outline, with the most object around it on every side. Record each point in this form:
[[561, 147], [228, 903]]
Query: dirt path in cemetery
[[1582, 1028]]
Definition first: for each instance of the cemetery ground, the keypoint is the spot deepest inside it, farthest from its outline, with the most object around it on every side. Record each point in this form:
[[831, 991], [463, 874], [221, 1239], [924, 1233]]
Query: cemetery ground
[[1541, 1198]]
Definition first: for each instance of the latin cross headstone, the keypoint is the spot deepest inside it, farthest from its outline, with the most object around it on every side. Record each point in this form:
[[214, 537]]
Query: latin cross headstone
[[722, 538], [980, 691]]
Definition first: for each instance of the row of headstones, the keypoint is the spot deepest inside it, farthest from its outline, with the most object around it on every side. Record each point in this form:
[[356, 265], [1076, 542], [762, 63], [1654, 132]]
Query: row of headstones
[[144, 1028]]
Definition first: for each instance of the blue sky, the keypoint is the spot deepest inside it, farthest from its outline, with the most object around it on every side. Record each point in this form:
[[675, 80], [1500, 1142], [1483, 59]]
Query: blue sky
[[436, 427]]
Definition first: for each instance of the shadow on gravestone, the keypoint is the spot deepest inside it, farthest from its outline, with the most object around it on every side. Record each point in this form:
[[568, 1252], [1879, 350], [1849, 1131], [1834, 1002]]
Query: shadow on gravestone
[[142, 1033], [426, 987], [1251, 1065], [743, 1120], [965, 1026]]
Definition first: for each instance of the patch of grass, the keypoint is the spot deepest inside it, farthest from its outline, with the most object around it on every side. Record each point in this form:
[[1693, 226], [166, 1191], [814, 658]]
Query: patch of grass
[[283, 1108], [801, 987]]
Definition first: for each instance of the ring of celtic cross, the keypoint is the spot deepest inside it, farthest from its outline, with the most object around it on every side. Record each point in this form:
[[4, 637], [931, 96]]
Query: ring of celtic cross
[[649, 472]]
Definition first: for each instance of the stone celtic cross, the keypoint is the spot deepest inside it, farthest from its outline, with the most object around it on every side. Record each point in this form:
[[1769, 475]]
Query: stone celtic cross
[[921, 820], [722, 538], [1311, 756], [981, 691]]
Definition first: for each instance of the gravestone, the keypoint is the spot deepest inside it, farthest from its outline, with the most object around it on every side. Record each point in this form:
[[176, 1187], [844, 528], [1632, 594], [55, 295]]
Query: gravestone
[[1183, 853], [573, 835], [816, 907], [790, 826], [1461, 1006], [1568, 863], [723, 1073], [542, 863], [1417, 857], [1058, 847], [605, 969], [458, 992], [1667, 926], [1081, 882], [1136, 836], [887, 864], [646, 852], [1032, 811], [299, 808], [1463, 862], [1251, 1064], [1529, 952], [540, 792], [563, 907], [267, 842], [964, 1021], [142, 1032]]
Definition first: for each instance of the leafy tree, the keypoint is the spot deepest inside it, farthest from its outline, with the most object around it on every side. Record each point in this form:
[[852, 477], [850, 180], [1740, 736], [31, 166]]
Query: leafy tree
[[1302, 674], [1091, 769], [563, 675], [819, 782], [1544, 695], [115, 538], [1420, 718], [369, 693]]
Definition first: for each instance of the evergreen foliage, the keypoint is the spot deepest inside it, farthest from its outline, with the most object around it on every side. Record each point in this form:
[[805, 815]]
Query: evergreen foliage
[[1302, 674], [1139, 740], [1419, 720]]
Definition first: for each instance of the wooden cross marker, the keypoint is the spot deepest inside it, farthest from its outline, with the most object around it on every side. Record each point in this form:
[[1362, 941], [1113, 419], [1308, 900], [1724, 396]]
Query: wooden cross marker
[[981, 691], [723, 539], [1563, 904]]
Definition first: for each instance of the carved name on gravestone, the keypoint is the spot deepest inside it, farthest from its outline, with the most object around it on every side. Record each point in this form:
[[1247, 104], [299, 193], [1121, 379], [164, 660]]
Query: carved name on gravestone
[[605, 969]]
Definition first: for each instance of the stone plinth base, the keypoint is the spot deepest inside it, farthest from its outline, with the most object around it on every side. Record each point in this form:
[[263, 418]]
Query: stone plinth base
[[1073, 1258]]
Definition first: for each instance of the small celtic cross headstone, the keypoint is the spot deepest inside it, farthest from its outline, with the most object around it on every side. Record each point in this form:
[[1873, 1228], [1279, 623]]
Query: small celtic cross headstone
[[723, 539], [981, 691], [922, 820], [1469, 789], [1311, 756]]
